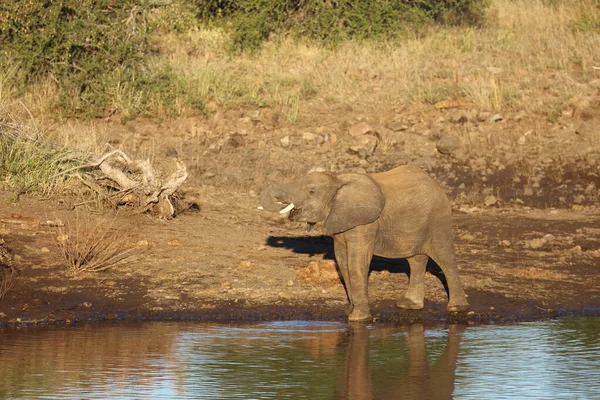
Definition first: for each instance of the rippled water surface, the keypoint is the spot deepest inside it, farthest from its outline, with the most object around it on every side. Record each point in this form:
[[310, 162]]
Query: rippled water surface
[[302, 360]]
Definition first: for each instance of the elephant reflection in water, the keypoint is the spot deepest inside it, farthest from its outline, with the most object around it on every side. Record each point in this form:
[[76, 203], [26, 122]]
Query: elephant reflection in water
[[419, 381]]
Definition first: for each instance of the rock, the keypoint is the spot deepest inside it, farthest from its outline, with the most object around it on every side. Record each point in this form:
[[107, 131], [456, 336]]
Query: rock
[[497, 118], [505, 243], [312, 137], [322, 272], [522, 140], [362, 128], [467, 236], [45, 250], [448, 145], [285, 141], [333, 139], [397, 126], [459, 117], [535, 244], [528, 191], [483, 116], [490, 201], [426, 163], [244, 265], [364, 146], [549, 237]]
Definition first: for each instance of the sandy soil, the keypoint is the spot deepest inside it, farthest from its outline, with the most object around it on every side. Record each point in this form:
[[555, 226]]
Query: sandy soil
[[526, 222]]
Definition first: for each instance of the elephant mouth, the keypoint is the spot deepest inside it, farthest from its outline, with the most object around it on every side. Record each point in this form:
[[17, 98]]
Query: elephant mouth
[[294, 211]]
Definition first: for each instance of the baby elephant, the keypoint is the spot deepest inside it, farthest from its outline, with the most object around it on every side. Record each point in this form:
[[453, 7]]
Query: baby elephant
[[401, 213]]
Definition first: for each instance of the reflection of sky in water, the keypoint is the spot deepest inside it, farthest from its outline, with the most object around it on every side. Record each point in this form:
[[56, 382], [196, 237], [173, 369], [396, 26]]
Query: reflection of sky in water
[[527, 361], [301, 360]]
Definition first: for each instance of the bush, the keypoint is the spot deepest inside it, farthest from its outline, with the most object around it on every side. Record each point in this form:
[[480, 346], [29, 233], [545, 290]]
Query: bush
[[94, 50], [28, 163], [252, 21]]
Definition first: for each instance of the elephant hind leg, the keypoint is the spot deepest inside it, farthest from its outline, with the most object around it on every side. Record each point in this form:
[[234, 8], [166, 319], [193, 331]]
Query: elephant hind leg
[[445, 258], [415, 294]]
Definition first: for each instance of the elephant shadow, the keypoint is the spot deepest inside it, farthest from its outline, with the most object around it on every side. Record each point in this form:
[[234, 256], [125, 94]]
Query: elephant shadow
[[314, 245]]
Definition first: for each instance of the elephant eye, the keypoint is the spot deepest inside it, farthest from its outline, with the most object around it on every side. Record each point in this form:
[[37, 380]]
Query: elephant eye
[[312, 190]]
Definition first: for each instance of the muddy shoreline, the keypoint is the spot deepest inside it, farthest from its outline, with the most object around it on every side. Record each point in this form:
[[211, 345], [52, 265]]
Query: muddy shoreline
[[215, 265]]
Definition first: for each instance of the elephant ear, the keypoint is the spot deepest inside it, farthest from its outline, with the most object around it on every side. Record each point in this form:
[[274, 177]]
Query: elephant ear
[[358, 201]]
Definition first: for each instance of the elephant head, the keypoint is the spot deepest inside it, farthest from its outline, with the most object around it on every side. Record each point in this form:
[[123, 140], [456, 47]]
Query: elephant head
[[341, 202]]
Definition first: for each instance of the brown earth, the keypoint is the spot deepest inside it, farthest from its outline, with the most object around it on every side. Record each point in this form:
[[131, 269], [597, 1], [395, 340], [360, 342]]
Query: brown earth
[[526, 220]]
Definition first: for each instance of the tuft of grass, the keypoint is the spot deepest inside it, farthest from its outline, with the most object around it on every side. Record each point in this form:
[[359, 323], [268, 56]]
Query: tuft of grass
[[28, 162], [95, 247]]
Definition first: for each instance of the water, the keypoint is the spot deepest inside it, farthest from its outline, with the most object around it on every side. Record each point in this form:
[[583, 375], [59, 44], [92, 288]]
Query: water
[[302, 360]]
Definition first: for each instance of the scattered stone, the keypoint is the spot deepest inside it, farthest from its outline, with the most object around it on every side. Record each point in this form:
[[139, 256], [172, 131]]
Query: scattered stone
[[244, 265], [285, 141], [535, 244], [467, 236], [45, 250], [505, 243], [333, 139], [448, 145], [85, 304], [362, 128], [490, 201], [397, 126], [497, 118], [290, 283], [549, 237], [522, 140], [321, 272], [462, 186], [364, 146], [575, 249], [459, 117], [483, 116]]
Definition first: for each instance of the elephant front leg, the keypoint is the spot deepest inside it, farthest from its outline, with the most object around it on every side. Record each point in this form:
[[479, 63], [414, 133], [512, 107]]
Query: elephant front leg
[[359, 260], [341, 257], [415, 294]]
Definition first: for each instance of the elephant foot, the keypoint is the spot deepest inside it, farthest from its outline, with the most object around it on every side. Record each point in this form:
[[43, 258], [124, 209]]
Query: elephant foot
[[408, 304], [349, 309], [359, 315], [458, 308]]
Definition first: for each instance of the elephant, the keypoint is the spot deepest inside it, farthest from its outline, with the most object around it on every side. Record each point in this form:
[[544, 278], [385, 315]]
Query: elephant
[[400, 213]]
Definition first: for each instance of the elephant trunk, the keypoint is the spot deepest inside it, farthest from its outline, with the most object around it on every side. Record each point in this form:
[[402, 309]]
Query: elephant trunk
[[275, 198]]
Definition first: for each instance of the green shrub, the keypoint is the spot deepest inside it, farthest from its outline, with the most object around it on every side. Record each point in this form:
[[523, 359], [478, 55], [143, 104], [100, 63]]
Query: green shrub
[[92, 49], [331, 21]]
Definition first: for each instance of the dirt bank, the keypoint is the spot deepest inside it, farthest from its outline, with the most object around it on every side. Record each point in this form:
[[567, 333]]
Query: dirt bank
[[227, 261], [524, 190]]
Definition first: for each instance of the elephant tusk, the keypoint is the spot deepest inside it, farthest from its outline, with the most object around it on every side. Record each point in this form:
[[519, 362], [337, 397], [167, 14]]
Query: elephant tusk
[[287, 209]]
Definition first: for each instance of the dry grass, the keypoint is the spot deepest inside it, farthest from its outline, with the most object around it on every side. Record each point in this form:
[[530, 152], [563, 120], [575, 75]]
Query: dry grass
[[95, 246], [531, 55]]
